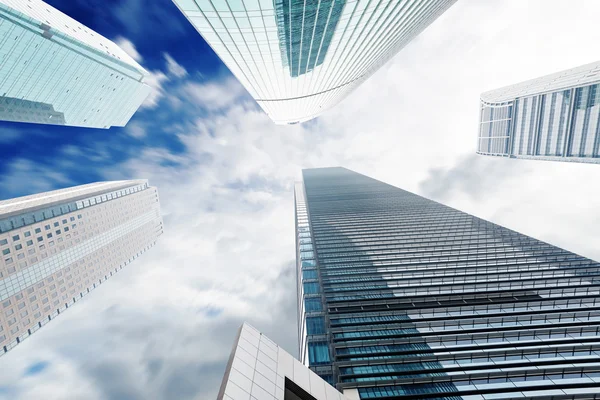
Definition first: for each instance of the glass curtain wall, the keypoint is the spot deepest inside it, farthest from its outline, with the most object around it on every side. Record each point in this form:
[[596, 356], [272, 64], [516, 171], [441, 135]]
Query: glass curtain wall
[[419, 300]]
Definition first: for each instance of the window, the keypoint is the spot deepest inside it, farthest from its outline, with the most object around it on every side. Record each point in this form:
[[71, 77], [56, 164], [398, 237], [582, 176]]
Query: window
[[311, 288], [307, 254], [312, 304], [315, 325], [58, 232], [64, 221], [309, 274], [16, 237], [79, 216], [18, 247], [72, 219], [66, 229], [27, 234], [56, 224], [37, 230], [318, 353], [29, 242], [3, 242], [49, 235], [39, 239], [5, 252]]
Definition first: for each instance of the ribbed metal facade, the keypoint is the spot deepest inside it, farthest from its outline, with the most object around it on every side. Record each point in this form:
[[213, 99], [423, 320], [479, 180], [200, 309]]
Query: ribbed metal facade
[[403, 297], [555, 117]]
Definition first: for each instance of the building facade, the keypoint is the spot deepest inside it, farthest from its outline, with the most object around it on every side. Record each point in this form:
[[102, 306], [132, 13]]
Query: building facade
[[400, 297], [53, 70], [555, 117], [299, 58], [57, 246], [258, 369]]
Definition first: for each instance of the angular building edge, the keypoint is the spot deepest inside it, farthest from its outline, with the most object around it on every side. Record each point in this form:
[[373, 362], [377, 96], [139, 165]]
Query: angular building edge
[[258, 369], [13, 209], [58, 29], [6, 348]]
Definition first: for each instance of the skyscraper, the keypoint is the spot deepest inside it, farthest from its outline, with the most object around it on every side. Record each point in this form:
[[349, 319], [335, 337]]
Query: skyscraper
[[299, 58], [402, 297], [53, 70], [58, 246], [555, 117]]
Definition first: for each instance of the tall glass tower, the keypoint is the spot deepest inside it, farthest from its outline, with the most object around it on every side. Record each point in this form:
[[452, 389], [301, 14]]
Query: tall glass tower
[[402, 297], [555, 117], [58, 246], [54, 70], [298, 58]]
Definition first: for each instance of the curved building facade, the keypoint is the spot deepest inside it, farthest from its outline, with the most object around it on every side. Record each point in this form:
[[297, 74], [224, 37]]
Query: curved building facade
[[300, 58], [555, 117]]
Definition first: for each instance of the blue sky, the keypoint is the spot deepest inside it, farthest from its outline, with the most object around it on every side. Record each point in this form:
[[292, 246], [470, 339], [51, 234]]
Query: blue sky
[[117, 20], [163, 327]]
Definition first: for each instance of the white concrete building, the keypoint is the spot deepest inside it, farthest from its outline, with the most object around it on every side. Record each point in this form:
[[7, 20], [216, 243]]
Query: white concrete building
[[54, 70], [298, 58], [258, 369], [56, 247], [555, 117]]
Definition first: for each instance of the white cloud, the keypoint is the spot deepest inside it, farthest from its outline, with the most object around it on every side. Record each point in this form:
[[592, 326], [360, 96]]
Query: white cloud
[[19, 174], [136, 129], [129, 48], [173, 67], [155, 80], [213, 95], [9, 135], [228, 203]]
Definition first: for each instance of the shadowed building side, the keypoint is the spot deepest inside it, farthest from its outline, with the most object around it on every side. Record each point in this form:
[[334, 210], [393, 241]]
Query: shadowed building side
[[401, 297]]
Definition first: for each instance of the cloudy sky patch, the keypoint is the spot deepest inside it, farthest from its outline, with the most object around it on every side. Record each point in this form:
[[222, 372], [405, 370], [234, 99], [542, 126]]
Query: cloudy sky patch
[[163, 327]]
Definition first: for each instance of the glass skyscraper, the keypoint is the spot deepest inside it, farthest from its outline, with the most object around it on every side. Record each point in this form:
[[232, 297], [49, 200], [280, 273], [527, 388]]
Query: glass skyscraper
[[402, 297], [53, 70], [555, 117], [58, 246], [298, 58]]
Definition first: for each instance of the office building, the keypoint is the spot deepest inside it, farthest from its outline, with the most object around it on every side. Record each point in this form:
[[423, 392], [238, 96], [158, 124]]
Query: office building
[[57, 246], [53, 70], [400, 297], [555, 117], [258, 369], [299, 58]]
